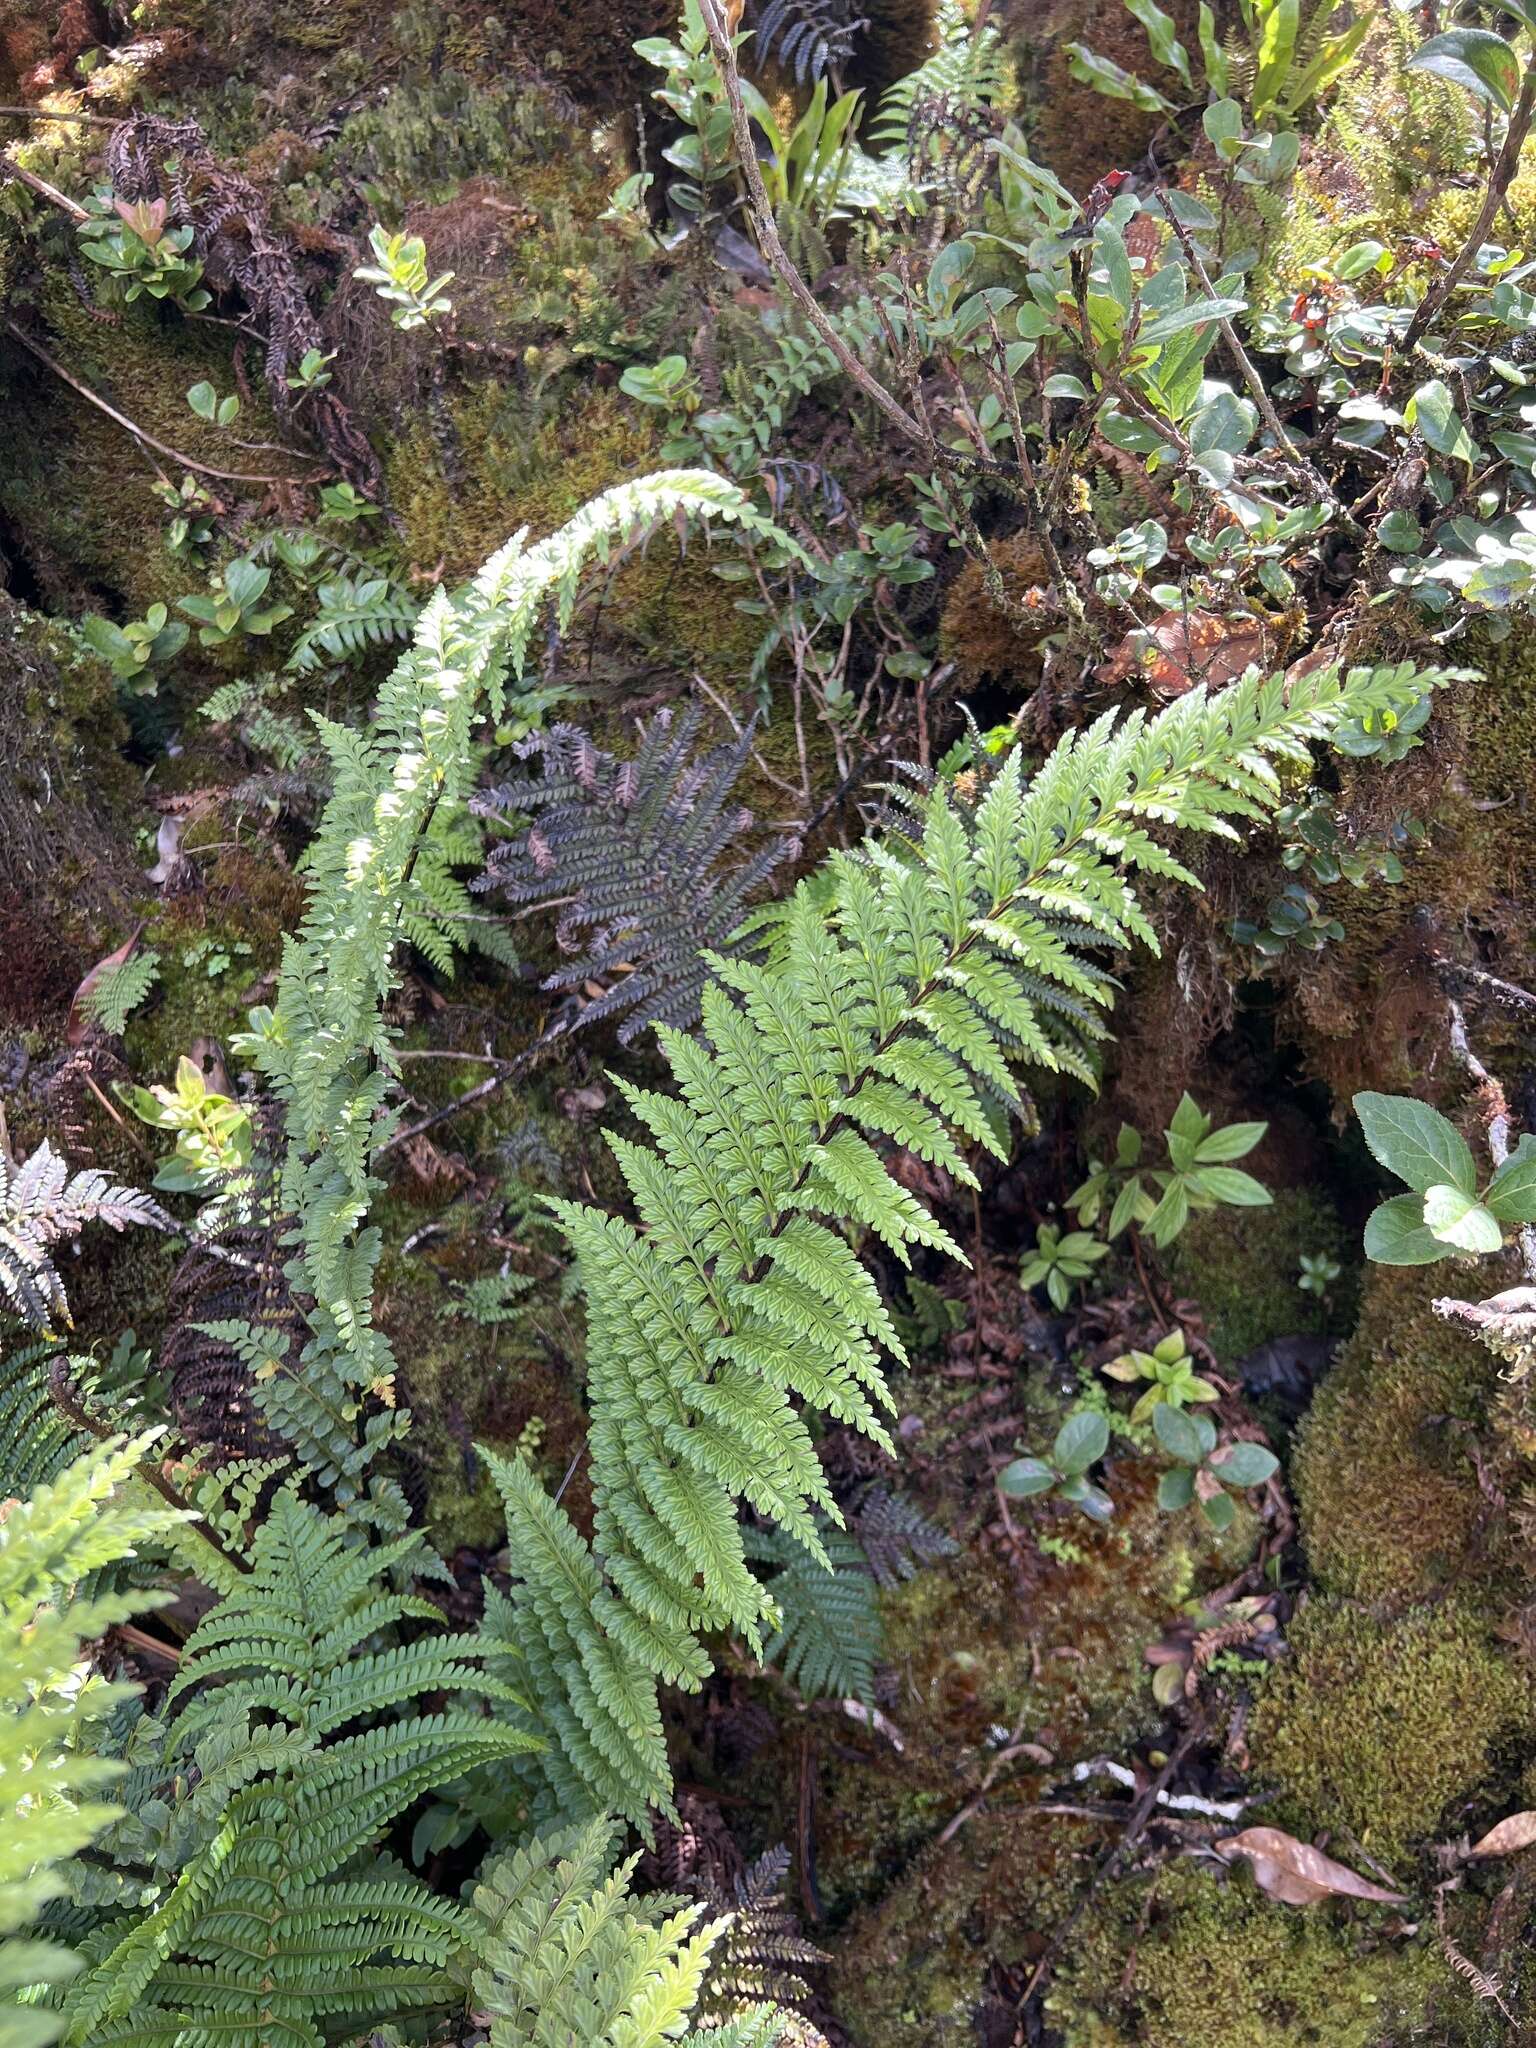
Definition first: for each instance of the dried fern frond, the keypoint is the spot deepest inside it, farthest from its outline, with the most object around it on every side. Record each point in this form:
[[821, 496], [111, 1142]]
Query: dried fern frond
[[896, 1538], [762, 1954], [234, 1314], [636, 852], [40, 1204], [807, 38]]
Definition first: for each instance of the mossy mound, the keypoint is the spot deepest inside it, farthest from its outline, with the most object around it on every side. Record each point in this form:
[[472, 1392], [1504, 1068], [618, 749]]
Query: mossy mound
[[1391, 1507], [1389, 1729], [1191, 1959], [1242, 1267]]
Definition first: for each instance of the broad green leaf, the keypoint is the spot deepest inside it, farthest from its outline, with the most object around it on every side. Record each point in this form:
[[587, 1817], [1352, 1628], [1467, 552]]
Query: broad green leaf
[[1025, 1476], [1395, 1234], [1218, 68], [1511, 1194], [1088, 68], [1163, 37], [1232, 1141], [1277, 46], [1219, 1511], [1081, 1441], [1482, 63], [1231, 1185], [1433, 412], [1415, 1142], [1179, 1434], [1460, 1219], [1195, 314], [1243, 1465], [1176, 1488]]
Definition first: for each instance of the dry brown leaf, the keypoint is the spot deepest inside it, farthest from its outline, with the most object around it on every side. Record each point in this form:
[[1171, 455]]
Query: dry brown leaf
[[1297, 1874], [1187, 648], [1515, 1832], [79, 1018]]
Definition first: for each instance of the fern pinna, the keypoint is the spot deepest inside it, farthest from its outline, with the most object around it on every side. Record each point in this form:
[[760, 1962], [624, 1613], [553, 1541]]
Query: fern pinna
[[899, 986], [377, 875], [287, 1921]]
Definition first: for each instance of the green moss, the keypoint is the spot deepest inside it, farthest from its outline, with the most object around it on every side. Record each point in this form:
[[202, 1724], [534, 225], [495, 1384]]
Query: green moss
[[1390, 1503], [1241, 1266], [1386, 1728], [1190, 1959]]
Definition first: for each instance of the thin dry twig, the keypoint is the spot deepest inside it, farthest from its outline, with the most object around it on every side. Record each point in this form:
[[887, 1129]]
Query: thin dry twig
[[140, 434]]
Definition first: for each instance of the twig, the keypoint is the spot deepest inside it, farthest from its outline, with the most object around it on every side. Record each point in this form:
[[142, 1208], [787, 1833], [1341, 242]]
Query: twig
[[1500, 178], [42, 188], [1140, 1814], [229, 476], [1496, 1116], [761, 208], [1240, 355], [66, 1397], [52, 114]]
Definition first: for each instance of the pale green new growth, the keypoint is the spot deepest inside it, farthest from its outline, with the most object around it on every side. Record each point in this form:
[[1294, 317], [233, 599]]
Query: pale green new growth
[[49, 1780], [375, 877], [571, 1957]]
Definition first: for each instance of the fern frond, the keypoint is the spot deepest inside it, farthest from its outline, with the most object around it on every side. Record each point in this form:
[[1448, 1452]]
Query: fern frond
[[807, 38], [896, 991], [65, 1532], [829, 1633], [634, 851], [286, 1917], [327, 1051]]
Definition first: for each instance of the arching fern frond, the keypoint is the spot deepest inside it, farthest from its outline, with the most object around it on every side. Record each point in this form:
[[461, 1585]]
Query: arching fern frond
[[326, 1050], [898, 991]]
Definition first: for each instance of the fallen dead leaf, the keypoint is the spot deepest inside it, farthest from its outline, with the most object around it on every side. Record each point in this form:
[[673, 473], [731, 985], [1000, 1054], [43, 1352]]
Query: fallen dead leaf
[[79, 1022], [1515, 1832], [1187, 648], [168, 851], [1297, 1874]]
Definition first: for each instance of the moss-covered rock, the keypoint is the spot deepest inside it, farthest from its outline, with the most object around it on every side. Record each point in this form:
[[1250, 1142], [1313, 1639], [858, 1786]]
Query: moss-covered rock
[[1242, 1267], [1389, 1728], [1188, 1958], [1385, 1471]]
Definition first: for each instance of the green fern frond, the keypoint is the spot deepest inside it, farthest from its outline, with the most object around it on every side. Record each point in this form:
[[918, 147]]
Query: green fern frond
[[286, 1917], [829, 1634], [373, 880], [66, 1531], [894, 998], [568, 1955]]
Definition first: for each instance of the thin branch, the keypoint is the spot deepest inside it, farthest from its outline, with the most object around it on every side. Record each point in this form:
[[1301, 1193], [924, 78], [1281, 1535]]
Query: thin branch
[[53, 114], [148, 440], [43, 189], [761, 208], [1500, 179]]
